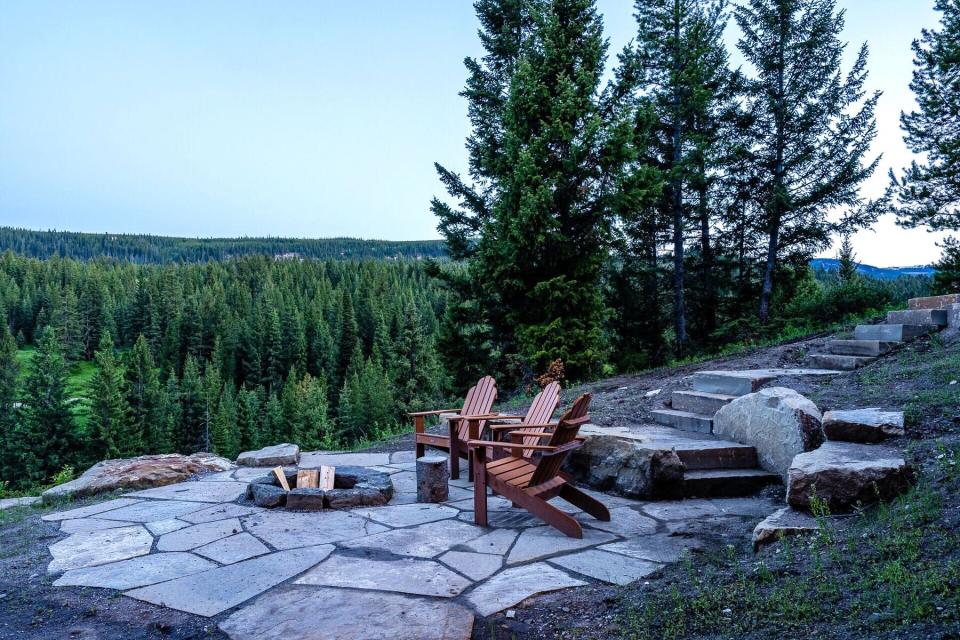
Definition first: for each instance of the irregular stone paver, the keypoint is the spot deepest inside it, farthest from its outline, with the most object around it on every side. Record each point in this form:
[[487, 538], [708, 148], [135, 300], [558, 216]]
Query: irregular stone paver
[[423, 541], [609, 567], [99, 547], [136, 572], [398, 457], [166, 526], [198, 535], [540, 542], [278, 454], [245, 474], [210, 592], [681, 510], [405, 515], [317, 458], [9, 503], [389, 470], [658, 548], [196, 491], [515, 585], [494, 503], [475, 566], [219, 512], [220, 476], [292, 530], [309, 613], [624, 521], [510, 519], [404, 575], [233, 549], [92, 510], [80, 525], [153, 511], [496, 542]]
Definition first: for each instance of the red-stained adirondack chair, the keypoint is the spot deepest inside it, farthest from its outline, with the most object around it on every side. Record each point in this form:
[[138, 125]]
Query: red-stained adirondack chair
[[529, 483], [479, 401], [537, 418]]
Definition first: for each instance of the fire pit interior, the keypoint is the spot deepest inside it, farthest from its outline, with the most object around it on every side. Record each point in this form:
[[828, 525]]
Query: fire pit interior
[[352, 487]]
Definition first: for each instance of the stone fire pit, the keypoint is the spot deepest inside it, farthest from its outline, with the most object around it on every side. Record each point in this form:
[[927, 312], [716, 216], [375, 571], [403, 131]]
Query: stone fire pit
[[352, 487]]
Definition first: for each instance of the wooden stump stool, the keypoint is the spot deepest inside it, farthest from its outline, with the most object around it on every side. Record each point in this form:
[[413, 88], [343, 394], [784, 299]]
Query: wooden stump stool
[[432, 477]]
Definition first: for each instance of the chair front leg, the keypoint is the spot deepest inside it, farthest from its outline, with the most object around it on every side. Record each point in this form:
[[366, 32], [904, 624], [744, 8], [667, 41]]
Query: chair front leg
[[479, 458], [418, 427], [454, 449]]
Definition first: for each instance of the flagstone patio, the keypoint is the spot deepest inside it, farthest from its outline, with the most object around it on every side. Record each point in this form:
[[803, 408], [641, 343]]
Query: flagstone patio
[[405, 570]]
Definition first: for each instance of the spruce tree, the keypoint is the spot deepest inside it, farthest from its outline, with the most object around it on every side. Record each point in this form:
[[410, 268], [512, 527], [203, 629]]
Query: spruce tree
[[44, 439], [9, 386], [224, 431], [117, 436], [846, 261], [947, 278], [414, 369], [929, 191], [191, 434], [314, 427], [145, 398], [811, 128]]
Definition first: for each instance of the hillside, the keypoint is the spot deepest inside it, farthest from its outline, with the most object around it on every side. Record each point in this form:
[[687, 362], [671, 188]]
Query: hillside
[[878, 273], [148, 249]]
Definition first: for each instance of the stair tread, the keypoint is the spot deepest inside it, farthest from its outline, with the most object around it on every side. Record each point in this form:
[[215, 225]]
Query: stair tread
[[677, 412], [706, 394], [728, 473]]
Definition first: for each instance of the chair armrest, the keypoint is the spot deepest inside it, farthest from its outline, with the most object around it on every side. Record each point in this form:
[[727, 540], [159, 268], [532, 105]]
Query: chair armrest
[[480, 444], [503, 416], [482, 416], [530, 434], [432, 413], [504, 427]]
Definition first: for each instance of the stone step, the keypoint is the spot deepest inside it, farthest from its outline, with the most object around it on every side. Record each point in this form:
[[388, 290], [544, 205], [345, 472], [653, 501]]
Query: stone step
[[890, 332], [733, 456], [838, 362], [699, 401], [683, 420], [734, 383], [923, 317], [860, 347], [726, 483], [934, 302]]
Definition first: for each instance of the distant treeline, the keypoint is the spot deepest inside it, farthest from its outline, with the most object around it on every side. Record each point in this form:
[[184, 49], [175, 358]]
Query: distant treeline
[[147, 249]]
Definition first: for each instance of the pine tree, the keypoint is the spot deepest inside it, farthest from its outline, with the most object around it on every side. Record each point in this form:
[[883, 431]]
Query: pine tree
[[929, 191], [272, 421], [145, 398], [314, 427], [191, 434], [811, 128], [172, 412], [248, 411], [846, 261], [947, 278], [224, 431], [414, 369], [9, 386], [44, 440], [117, 436]]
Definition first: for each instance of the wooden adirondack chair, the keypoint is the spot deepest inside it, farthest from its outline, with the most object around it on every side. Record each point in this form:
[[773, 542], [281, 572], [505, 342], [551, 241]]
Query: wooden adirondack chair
[[477, 404], [537, 418], [529, 483]]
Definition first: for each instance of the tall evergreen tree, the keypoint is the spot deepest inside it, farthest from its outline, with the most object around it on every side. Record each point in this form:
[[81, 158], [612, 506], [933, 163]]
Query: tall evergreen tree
[[811, 128], [846, 261], [9, 386], [192, 432], [929, 191], [224, 432], [44, 440], [145, 398], [117, 436]]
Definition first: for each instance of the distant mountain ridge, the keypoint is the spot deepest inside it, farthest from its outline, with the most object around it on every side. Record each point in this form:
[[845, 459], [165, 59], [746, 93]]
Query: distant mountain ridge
[[148, 249], [880, 273]]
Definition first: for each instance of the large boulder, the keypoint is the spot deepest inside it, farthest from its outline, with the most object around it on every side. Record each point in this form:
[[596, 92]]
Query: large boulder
[[277, 455], [627, 467], [778, 422], [843, 474], [143, 472], [862, 425]]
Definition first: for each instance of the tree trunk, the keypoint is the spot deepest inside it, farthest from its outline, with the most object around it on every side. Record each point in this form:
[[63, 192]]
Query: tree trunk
[[706, 256], [676, 204]]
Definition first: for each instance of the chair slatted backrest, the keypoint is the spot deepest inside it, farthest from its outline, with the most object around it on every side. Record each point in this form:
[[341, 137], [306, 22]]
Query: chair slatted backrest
[[549, 466], [484, 394], [540, 412]]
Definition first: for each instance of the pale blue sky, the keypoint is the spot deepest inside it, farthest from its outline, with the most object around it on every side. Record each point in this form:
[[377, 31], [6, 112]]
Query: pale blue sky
[[320, 118]]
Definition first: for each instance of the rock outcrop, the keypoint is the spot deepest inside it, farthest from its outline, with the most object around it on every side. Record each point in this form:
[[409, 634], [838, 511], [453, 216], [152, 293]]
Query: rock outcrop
[[844, 474], [276, 455], [143, 472], [862, 425], [627, 467], [778, 422]]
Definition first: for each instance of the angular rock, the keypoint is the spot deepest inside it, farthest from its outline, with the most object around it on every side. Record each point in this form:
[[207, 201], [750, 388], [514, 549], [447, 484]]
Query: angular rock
[[403, 575], [476, 566], [334, 614], [267, 495], [233, 549], [287, 530], [198, 535], [923, 317], [276, 455], [211, 592], [778, 422], [844, 474], [626, 466], [512, 586], [606, 566], [307, 499], [314, 460], [136, 572], [196, 491], [137, 473], [934, 302], [733, 383], [862, 425], [541, 542], [781, 523], [99, 547]]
